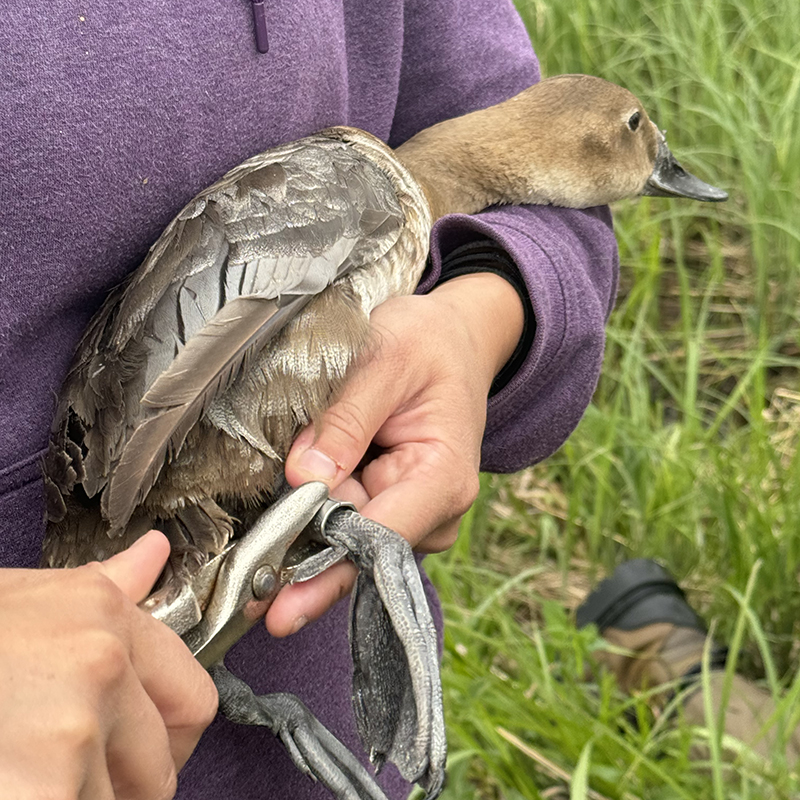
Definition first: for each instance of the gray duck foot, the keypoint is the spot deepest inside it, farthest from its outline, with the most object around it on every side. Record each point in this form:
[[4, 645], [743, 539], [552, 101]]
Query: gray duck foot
[[315, 751], [397, 690]]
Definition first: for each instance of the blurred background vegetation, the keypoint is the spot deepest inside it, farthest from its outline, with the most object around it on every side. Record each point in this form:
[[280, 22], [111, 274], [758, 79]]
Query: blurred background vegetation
[[688, 453]]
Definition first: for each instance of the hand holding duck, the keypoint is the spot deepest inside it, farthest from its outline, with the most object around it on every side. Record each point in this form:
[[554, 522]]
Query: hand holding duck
[[422, 399]]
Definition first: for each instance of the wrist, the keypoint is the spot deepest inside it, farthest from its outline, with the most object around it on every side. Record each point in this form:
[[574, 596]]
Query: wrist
[[492, 314]]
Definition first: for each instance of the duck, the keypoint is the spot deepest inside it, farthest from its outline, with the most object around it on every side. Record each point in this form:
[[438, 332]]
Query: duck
[[252, 308]]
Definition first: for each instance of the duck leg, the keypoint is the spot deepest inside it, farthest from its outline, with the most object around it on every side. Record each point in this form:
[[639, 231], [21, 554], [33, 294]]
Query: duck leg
[[397, 692], [315, 751]]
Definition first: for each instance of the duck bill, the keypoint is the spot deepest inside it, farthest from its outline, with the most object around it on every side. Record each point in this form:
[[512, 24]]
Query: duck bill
[[670, 179]]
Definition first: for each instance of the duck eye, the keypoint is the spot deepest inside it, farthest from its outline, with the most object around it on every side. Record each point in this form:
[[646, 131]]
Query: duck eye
[[633, 122]]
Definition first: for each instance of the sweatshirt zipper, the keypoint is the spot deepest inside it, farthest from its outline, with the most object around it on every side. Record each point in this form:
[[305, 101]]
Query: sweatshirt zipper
[[260, 25]]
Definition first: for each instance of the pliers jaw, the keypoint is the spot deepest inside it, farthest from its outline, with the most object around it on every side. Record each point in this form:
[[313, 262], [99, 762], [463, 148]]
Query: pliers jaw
[[230, 593]]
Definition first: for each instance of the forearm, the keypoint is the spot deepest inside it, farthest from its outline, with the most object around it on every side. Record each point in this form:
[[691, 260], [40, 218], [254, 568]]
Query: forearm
[[493, 317]]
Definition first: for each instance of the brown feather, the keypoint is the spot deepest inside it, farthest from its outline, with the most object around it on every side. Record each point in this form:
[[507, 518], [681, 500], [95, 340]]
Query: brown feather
[[207, 365]]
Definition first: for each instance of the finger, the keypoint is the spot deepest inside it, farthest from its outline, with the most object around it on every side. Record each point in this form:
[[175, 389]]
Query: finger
[[301, 603], [415, 522], [97, 783], [332, 449], [415, 470], [139, 756], [57, 772], [177, 685], [443, 538], [180, 689], [351, 491], [136, 569]]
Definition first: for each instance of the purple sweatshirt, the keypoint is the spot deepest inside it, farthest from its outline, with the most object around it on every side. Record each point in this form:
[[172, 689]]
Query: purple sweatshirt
[[113, 115]]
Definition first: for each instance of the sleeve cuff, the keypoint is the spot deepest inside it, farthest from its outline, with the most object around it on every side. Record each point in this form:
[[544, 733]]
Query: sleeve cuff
[[485, 255]]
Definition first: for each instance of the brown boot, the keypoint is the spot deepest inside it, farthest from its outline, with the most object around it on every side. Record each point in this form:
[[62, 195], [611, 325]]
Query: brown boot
[[642, 610]]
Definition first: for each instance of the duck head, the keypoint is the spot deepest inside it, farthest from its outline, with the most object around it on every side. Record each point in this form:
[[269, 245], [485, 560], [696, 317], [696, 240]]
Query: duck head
[[572, 140]]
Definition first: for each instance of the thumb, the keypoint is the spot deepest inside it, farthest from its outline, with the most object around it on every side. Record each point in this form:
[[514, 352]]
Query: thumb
[[333, 448], [135, 570]]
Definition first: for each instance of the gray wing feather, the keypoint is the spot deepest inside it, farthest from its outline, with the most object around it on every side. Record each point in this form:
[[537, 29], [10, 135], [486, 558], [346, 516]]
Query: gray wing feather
[[179, 397], [275, 231]]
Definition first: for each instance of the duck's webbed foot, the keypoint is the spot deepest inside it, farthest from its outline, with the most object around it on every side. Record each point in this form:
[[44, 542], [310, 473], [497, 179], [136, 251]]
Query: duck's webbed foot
[[397, 690], [314, 750]]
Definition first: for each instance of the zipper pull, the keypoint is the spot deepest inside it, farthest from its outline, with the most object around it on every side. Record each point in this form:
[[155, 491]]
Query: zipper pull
[[260, 26]]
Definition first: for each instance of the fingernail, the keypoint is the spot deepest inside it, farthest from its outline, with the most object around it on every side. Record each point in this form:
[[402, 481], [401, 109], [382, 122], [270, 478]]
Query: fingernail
[[299, 623], [317, 465]]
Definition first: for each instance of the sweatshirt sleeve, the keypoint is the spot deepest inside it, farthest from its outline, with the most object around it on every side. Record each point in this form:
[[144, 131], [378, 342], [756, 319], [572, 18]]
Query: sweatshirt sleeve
[[467, 54]]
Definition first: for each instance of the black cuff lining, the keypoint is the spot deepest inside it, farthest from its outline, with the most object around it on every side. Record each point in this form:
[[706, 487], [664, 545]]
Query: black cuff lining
[[487, 256]]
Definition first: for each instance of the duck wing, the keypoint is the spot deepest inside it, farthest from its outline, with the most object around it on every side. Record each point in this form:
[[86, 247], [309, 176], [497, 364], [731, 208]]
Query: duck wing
[[236, 264]]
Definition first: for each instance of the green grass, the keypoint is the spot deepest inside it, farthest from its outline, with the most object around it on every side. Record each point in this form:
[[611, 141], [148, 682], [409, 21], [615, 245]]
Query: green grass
[[689, 451]]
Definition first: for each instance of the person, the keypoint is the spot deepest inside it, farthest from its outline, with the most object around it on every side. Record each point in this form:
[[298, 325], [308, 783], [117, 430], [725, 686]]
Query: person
[[113, 116]]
